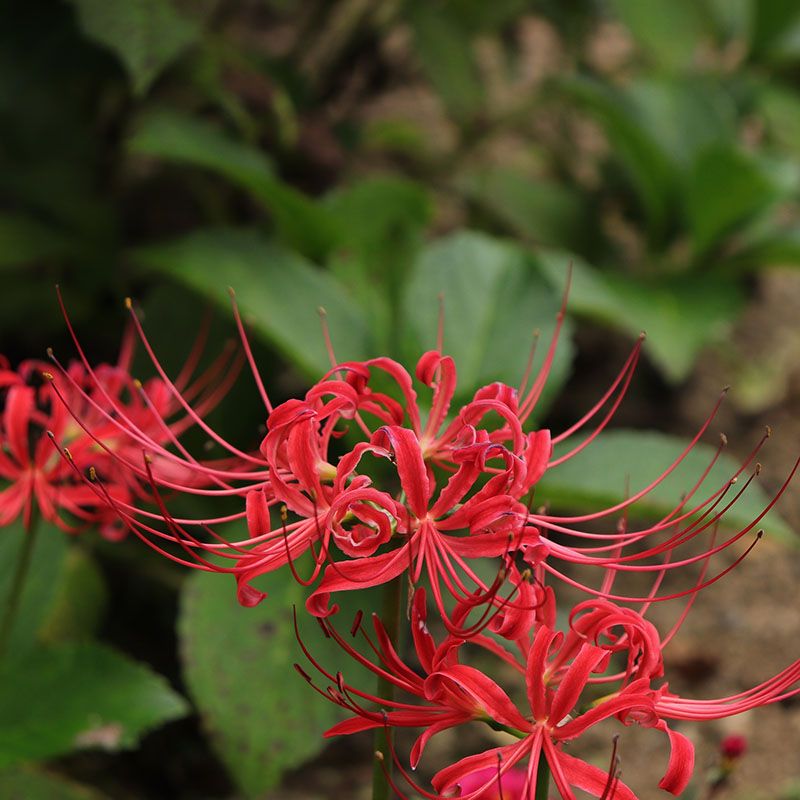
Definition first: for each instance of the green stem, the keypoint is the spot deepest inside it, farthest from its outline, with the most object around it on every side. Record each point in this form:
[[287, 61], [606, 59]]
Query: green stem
[[14, 598], [390, 616], [543, 779]]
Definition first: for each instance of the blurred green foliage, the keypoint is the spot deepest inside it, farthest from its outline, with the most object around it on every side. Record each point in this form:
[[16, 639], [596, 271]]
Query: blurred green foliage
[[367, 157]]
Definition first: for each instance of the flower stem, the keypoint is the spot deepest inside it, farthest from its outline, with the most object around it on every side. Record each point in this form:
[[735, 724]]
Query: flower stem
[[14, 598], [390, 616], [543, 780]]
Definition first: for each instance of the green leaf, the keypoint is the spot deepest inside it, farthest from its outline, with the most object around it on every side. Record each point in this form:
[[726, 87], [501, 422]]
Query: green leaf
[[725, 187], [263, 717], [668, 31], [24, 240], [641, 155], [174, 136], [541, 211], [380, 223], [444, 48], [494, 299], [41, 584], [680, 315], [146, 35], [620, 463], [776, 30], [28, 784], [278, 291], [58, 699], [79, 602], [177, 137]]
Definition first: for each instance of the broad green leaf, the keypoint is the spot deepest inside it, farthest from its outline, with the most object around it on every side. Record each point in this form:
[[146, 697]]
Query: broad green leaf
[[40, 590], [725, 187], [776, 30], [238, 664], [541, 211], [146, 35], [278, 291], [494, 299], [641, 155], [444, 49], [679, 315], [684, 115], [668, 31], [23, 783], [23, 240], [620, 463], [63, 698], [780, 107], [174, 136], [380, 223], [177, 137], [79, 602]]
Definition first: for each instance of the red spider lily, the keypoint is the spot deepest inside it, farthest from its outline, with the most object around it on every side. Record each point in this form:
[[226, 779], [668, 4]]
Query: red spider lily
[[508, 787], [556, 671], [464, 477]]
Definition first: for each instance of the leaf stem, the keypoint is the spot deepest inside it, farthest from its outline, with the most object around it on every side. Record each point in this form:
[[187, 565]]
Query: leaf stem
[[14, 598], [542, 780], [390, 616]]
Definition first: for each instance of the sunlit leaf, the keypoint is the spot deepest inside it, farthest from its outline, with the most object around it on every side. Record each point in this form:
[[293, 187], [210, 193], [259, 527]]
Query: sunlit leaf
[[69, 697], [278, 291], [620, 463]]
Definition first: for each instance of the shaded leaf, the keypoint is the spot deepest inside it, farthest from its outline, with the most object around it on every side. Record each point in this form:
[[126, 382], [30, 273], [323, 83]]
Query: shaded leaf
[[23, 240], [278, 291], [79, 602], [380, 223], [494, 299], [146, 35], [541, 211], [41, 584], [621, 462], [263, 717], [177, 137], [58, 699], [30, 784], [445, 51], [667, 30]]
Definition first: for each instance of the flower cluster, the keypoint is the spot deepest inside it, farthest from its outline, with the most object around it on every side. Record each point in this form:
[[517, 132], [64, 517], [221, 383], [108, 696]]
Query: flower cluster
[[379, 483]]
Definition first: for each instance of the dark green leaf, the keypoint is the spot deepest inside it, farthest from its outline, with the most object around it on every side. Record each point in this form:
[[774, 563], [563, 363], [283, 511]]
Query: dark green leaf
[[58, 699], [620, 463], [541, 211], [380, 222], [263, 717], [641, 155], [494, 299], [445, 50], [146, 35], [29, 784], [776, 30], [23, 240], [278, 291], [177, 137]]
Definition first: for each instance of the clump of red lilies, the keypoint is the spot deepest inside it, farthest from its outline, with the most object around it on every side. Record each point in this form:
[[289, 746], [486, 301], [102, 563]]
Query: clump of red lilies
[[378, 477]]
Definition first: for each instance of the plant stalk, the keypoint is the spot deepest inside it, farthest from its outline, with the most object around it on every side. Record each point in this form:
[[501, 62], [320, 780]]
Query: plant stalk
[[543, 779], [14, 598], [390, 616]]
